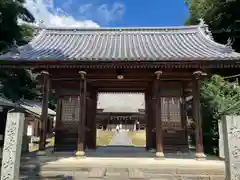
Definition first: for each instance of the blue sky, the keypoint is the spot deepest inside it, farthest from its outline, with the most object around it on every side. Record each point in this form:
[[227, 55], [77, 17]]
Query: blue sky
[[108, 13]]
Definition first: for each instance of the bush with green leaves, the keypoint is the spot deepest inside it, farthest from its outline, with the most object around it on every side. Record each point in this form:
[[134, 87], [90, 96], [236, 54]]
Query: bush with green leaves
[[218, 97]]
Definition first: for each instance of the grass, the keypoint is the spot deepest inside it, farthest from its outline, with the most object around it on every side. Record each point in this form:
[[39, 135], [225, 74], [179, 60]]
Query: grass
[[35, 145], [138, 138], [104, 138]]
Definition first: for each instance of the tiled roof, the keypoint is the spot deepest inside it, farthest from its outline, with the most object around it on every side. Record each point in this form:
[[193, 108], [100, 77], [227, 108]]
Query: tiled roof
[[35, 107], [29, 106], [7, 103], [127, 44]]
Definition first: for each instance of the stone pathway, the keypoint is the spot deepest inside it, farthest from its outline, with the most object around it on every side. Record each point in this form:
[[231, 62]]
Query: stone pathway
[[124, 169], [121, 138], [123, 162]]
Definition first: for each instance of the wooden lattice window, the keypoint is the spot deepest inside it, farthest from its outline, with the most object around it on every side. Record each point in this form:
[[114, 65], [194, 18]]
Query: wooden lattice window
[[171, 112], [70, 109]]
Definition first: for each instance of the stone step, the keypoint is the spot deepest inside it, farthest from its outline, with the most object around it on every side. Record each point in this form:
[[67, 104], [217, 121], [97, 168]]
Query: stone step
[[113, 172], [97, 173], [64, 168], [63, 175], [183, 171], [135, 173]]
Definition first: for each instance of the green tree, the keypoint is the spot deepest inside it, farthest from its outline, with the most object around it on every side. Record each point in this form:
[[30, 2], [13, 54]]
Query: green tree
[[11, 11], [218, 97], [16, 83], [222, 16]]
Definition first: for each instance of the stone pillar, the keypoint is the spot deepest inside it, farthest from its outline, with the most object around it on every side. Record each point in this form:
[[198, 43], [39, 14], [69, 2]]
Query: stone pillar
[[197, 115], [12, 146], [44, 114], [82, 114], [159, 134], [231, 138]]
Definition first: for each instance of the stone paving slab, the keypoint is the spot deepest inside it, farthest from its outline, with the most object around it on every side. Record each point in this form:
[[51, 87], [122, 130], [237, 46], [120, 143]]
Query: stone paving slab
[[121, 138], [97, 173], [134, 173]]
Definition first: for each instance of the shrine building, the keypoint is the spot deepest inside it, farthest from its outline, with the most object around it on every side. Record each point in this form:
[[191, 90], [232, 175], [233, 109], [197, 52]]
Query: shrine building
[[167, 64]]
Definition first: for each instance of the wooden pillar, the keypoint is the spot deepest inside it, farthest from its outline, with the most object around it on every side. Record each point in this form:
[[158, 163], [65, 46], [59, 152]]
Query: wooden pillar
[[147, 119], [58, 119], [157, 98], [151, 120], [87, 140], [184, 123], [94, 113], [197, 115], [44, 114], [82, 114], [92, 108]]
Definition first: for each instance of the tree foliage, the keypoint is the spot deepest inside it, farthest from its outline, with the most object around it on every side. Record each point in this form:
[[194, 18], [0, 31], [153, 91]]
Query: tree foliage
[[15, 83], [218, 97], [223, 97], [11, 11], [222, 16]]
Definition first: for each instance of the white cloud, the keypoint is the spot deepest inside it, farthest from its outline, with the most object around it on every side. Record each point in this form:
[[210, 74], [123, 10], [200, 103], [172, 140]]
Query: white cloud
[[111, 13], [104, 13], [67, 4], [49, 3], [85, 8], [44, 11]]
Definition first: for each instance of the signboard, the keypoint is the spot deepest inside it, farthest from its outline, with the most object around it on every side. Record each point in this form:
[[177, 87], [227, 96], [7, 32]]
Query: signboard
[[121, 118]]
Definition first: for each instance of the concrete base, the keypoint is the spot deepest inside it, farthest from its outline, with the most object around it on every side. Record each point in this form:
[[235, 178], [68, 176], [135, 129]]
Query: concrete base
[[200, 156], [160, 155], [80, 154]]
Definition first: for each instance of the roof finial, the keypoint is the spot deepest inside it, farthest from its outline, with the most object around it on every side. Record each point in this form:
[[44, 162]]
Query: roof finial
[[229, 42], [41, 24], [14, 48], [202, 22]]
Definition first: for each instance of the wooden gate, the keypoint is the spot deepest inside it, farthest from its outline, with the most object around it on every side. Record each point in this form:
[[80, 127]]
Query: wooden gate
[[174, 131]]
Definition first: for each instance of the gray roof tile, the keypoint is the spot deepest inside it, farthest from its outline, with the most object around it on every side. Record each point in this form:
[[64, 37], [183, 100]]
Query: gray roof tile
[[172, 43], [7, 103], [35, 107]]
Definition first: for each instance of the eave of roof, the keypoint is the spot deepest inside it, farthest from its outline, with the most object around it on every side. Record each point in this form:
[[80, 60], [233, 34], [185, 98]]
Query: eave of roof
[[35, 108], [123, 44], [7, 103]]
